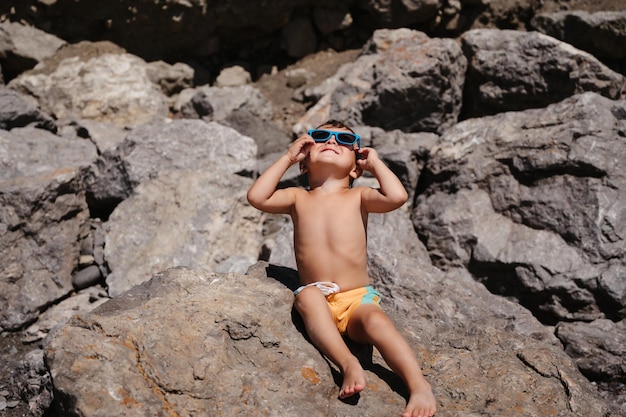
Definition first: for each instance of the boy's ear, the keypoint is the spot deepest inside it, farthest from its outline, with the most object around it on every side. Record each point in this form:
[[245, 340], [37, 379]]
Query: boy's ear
[[356, 172], [303, 166]]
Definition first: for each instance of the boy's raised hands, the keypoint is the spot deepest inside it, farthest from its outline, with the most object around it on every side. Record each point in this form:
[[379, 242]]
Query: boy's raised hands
[[299, 149], [367, 158]]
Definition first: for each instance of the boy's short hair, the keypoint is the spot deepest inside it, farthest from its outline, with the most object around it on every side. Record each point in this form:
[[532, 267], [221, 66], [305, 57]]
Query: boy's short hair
[[337, 123]]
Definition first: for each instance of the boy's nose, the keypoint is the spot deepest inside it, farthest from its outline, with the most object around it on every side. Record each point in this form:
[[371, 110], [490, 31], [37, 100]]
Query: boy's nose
[[332, 138]]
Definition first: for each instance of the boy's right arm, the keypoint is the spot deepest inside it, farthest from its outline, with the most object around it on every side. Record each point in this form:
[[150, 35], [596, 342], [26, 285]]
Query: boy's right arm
[[263, 194]]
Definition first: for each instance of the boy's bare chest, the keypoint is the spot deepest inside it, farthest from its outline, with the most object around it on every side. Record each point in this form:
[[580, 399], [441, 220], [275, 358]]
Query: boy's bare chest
[[329, 215], [348, 203]]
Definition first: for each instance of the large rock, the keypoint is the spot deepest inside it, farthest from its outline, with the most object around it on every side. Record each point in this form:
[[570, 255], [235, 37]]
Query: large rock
[[152, 350], [197, 219], [602, 34], [153, 149], [42, 207], [24, 47], [599, 348], [40, 218], [533, 204], [402, 80], [244, 108], [18, 110], [95, 81], [514, 70], [30, 151], [218, 103], [236, 362]]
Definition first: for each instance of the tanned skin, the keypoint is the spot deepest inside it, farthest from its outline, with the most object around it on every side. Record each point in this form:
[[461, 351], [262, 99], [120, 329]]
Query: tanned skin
[[330, 242]]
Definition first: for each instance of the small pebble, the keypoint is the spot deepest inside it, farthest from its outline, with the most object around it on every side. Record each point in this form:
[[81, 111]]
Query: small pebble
[[12, 404]]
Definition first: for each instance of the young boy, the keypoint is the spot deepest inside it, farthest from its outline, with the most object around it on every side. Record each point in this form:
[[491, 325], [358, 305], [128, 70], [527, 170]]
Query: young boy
[[330, 222]]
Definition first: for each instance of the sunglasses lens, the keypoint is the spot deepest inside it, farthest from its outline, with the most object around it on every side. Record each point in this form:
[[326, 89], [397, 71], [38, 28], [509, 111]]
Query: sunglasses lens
[[319, 135], [346, 138]]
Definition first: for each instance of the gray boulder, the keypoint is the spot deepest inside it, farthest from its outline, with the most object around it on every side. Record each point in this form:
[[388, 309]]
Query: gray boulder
[[197, 219], [42, 209], [95, 81], [513, 70], [532, 203], [29, 151], [22, 47], [171, 78], [218, 103], [153, 349], [598, 347], [244, 108], [40, 218], [153, 149], [18, 110], [602, 34], [402, 80]]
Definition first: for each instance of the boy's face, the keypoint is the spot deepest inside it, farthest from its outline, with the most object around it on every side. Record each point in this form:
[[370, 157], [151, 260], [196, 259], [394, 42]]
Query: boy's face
[[333, 146], [342, 136], [331, 151]]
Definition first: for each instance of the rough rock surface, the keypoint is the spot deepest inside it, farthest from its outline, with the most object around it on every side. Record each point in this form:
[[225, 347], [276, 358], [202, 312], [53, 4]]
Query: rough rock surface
[[269, 30], [602, 33], [22, 47], [18, 110], [527, 203], [198, 219], [39, 222], [533, 203], [108, 87], [22, 149], [513, 70], [147, 363], [149, 151], [402, 80]]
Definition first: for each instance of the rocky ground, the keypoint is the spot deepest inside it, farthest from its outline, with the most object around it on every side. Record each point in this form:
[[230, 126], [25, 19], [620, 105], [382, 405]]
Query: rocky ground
[[11, 348], [321, 66], [286, 112]]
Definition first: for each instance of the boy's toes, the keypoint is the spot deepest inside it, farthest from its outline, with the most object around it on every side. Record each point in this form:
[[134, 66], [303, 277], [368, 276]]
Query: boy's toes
[[350, 390]]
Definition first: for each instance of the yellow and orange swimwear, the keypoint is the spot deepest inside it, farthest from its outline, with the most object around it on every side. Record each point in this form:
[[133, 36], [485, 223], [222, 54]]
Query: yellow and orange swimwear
[[343, 304]]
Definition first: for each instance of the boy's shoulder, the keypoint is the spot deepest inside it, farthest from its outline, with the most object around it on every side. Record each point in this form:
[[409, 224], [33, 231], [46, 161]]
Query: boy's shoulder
[[360, 188]]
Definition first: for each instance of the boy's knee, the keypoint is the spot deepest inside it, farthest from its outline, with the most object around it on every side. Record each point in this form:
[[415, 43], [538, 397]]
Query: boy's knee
[[306, 298], [375, 319]]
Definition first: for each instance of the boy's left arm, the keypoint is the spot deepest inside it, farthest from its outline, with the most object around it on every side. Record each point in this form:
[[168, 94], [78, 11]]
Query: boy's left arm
[[391, 193]]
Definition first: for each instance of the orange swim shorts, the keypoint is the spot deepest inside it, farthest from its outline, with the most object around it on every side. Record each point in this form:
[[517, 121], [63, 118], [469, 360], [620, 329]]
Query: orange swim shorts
[[343, 304]]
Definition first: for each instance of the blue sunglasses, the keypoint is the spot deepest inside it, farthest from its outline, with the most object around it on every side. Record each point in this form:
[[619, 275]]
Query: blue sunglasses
[[343, 138]]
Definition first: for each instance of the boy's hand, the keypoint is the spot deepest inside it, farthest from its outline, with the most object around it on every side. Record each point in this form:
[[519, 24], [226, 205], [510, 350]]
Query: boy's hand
[[299, 149], [368, 157]]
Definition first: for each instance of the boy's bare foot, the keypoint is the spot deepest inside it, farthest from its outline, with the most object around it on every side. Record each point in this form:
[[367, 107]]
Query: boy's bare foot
[[421, 404], [354, 380]]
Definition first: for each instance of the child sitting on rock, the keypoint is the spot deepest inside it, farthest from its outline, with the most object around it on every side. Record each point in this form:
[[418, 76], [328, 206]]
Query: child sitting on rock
[[330, 222]]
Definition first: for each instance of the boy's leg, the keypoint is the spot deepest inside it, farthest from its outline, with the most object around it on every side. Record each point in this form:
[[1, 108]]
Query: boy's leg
[[321, 329], [369, 324]]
